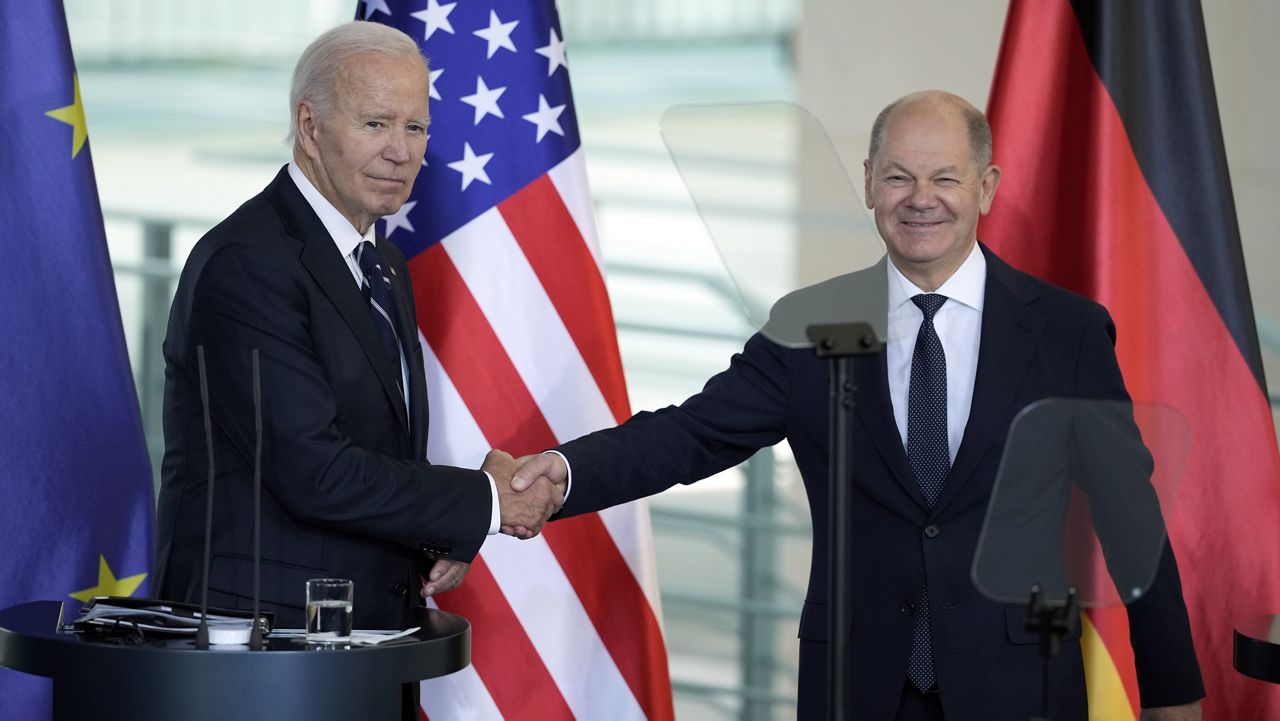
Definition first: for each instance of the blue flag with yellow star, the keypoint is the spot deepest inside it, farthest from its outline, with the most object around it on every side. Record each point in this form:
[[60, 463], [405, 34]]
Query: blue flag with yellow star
[[76, 500]]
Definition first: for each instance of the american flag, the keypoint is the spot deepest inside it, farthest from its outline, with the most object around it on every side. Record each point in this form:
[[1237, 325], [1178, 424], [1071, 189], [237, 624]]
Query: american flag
[[520, 354]]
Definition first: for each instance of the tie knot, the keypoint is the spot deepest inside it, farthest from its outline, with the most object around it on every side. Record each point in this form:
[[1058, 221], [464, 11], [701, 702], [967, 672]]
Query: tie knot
[[929, 303], [370, 260]]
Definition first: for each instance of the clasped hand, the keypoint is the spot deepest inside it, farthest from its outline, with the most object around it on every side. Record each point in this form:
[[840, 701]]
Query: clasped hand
[[535, 495]]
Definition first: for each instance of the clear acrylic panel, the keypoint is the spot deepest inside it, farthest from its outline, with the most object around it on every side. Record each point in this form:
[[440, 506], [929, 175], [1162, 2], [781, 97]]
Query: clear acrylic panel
[[1079, 501], [793, 232]]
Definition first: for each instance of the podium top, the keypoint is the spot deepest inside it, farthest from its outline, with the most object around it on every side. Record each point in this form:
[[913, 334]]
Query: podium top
[[32, 641]]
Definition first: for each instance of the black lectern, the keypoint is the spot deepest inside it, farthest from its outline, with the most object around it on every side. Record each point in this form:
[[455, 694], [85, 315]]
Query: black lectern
[[167, 679], [1257, 648]]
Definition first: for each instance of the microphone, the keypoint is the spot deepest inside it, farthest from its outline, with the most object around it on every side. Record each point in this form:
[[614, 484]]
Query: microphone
[[224, 634], [255, 637], [202, 634]]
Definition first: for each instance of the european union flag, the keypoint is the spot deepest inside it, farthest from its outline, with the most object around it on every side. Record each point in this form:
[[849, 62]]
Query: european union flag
[[75, 481]]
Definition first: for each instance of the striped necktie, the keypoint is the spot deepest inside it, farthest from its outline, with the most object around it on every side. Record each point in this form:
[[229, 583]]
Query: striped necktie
[[377, 290]]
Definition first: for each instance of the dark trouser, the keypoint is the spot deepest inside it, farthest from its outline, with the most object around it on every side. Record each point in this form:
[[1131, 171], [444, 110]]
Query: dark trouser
[[917, 705], [409, 703]]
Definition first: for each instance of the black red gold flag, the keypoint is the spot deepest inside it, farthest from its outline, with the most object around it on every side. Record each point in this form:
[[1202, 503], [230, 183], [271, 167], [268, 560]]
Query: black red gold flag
[[1116, 186]]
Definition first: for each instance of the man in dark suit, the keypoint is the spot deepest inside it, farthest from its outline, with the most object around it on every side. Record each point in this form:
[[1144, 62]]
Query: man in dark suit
[[299, 274], [971, 342]]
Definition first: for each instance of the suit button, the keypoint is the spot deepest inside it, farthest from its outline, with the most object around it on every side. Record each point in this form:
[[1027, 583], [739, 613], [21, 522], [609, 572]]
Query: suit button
[[907, 609], [436, 547], [399, 590], [931, 531]]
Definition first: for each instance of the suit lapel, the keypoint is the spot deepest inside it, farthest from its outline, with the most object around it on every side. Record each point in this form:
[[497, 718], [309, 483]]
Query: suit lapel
[[1009, 335], [333, 276], [418, 404], [876, 413], [407, 329], [863, 294]]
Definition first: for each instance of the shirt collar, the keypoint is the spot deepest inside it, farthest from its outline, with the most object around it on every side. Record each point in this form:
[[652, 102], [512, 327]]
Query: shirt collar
[[344, 234], [966, 286]]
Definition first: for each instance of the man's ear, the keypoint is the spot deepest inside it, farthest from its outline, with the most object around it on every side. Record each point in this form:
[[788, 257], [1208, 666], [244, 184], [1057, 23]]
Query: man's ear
[[866, 183], [308, 127], [990, 181]]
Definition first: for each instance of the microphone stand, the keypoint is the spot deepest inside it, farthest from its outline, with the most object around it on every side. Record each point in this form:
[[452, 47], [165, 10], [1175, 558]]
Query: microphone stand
[[202, 633], [839, 343], [1052, 622], [255, 632], [255, 628]]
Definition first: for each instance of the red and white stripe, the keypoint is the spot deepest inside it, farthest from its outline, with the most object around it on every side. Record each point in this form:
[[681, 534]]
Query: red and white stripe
[[521, 354]]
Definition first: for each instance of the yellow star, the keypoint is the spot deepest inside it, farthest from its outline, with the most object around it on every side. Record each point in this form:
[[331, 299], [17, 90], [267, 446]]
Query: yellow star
[[73, 115], [109, 585]]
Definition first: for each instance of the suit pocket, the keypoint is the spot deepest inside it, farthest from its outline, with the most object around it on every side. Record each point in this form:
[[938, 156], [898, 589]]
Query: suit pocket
[[283, 584], [1015, 621]]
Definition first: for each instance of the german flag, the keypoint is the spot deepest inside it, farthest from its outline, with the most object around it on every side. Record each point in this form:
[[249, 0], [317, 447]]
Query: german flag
[[1116, 186]]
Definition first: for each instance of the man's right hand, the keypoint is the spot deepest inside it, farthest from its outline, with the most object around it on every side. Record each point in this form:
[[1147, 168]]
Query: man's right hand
[[550, 466], [522, 512], [537, 471]]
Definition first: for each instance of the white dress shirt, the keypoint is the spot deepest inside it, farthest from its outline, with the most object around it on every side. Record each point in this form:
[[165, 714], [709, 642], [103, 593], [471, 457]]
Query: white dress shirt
[[348, 239], [959, 326]]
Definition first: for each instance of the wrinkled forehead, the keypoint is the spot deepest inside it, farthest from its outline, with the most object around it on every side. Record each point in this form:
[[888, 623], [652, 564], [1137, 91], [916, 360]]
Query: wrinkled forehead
[[380, 70], [373, 78]]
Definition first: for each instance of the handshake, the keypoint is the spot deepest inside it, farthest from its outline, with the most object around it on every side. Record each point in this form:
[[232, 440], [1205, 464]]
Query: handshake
[[530, 490]]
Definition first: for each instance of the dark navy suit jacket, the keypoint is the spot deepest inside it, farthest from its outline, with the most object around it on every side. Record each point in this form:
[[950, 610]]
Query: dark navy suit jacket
[[346, 491], [1037, 341]]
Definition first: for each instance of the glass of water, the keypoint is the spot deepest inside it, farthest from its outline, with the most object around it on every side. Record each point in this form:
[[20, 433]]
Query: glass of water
[[329, 610]]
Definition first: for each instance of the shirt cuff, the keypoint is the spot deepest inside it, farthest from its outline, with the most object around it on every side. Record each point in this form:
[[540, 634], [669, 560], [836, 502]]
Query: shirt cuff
[[495, 517], [568, 480]]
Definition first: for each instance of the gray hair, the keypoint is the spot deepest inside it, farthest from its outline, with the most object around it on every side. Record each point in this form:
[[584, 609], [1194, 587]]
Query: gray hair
[[977, 125], [315, 78]]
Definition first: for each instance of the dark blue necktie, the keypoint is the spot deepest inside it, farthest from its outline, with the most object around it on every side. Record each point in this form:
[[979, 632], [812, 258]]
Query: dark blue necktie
[[377, 290], [930, 457]]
